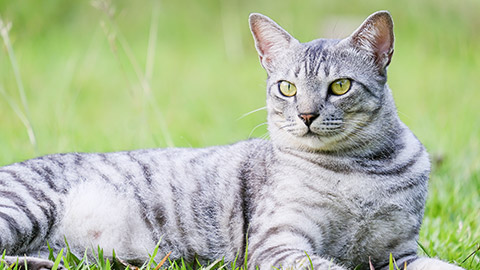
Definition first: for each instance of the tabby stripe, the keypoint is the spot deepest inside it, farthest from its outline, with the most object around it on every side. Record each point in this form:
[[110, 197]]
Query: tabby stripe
[[28, 237], [297, 71], [77, 159], [320, 61], [53, 159], [46, 174], [307, 52], [138, 196], [279, 260], [401, 168], [177, 195], [286, 228], [368, 90], [313, 56], [272, 252], [107, 179], [147, 172], [246, 197], [233, 222], [206, 214], [409, 185], [211, 175], [40, 196], [338, 168], [8, 206], [15, 228]]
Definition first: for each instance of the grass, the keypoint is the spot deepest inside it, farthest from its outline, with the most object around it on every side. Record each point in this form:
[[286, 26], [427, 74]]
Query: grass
[[78, 78]]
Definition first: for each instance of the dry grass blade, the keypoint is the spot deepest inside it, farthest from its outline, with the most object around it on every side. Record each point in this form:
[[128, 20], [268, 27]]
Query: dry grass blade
[[162, 261], [4, 29], [370, 263], [213, 264], [126, 264], [114, 34]]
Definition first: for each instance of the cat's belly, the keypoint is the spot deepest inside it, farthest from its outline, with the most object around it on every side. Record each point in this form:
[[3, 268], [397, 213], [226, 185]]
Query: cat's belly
[[97, 215]]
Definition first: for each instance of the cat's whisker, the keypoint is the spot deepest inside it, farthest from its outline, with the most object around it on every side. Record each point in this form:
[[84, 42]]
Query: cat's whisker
[[251, 112], [257, 126], [287, 125], [265, 136]]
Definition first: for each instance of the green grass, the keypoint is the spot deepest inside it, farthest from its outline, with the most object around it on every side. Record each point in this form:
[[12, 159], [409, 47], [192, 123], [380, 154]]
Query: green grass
[[91, 83]]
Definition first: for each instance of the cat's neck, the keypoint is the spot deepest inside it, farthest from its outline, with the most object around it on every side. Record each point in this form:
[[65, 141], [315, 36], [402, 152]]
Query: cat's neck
[[389, 139]]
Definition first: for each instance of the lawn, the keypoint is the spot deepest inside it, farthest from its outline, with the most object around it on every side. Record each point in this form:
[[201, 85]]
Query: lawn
[[98, 76]]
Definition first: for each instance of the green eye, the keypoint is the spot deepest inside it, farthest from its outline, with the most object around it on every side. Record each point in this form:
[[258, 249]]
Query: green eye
[[287, 89], [341, 86]]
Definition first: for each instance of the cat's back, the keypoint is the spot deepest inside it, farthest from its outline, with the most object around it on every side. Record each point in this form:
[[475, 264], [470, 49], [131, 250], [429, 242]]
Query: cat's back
[[184, 196]]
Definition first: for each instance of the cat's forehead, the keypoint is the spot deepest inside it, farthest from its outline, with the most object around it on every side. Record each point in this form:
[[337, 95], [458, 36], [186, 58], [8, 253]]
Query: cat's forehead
[[328, 57], [321, 44], [311, 56]]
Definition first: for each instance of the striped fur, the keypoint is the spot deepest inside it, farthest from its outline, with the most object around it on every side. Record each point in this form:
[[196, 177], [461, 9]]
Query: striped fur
[[348, 187]]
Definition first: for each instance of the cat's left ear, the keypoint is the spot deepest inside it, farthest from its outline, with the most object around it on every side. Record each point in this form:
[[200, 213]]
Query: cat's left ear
[[271, 41], [375, 36]]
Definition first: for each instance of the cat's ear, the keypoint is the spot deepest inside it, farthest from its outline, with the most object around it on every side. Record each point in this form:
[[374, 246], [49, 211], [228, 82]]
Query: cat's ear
[[375, 36], [271, 40]]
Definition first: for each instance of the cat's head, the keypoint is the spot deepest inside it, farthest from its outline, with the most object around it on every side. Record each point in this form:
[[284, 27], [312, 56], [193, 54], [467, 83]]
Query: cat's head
[[327, 94]]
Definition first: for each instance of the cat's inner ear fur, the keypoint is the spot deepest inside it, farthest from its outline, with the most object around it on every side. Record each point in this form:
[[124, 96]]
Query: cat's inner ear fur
[[271, 40], [375, 36]]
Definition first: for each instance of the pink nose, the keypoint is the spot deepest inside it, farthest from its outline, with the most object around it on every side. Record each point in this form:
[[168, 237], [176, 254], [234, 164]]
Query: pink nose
[[308, 118]]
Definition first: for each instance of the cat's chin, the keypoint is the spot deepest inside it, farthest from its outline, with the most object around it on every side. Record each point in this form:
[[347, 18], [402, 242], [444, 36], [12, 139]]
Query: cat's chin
[[318, 143], [309, 141]]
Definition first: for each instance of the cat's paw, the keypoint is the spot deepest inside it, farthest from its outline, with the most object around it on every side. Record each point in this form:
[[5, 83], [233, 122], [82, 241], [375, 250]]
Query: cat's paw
[[431, 264], [32, 263]]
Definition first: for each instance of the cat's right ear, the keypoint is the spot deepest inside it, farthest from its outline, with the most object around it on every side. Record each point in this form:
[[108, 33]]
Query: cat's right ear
[[271, 40], [375, 36]]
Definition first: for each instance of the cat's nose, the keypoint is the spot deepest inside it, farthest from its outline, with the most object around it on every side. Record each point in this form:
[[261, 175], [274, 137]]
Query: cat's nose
[[308, 118]]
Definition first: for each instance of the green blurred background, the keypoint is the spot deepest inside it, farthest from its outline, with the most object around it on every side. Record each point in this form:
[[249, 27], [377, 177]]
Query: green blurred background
[[109, 76]]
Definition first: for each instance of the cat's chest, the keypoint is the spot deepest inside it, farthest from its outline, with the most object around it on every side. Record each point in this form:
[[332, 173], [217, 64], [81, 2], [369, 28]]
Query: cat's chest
[[353, 213]]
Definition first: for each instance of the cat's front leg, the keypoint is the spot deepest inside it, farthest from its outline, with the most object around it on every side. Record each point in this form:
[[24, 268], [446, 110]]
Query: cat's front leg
[[31, 263], [423, 263], [284, 257], [268, 256]]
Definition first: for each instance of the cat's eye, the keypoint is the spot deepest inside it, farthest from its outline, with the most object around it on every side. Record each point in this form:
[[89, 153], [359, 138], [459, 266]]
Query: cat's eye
[[287, 89], [341, 86]]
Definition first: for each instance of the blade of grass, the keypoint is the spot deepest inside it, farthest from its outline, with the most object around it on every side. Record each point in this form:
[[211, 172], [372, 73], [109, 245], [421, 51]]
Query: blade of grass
[[144, 79], [390, 262], [2, 261], [423, 249], [57, 260], [26, 119], [309, 260], [471, 254]]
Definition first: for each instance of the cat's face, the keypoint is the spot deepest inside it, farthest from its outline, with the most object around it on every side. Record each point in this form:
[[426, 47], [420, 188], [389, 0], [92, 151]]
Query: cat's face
[[325, 95]]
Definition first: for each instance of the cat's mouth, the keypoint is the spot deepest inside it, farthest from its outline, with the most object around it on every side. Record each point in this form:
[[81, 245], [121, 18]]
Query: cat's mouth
[[322, 131], [310, 133]]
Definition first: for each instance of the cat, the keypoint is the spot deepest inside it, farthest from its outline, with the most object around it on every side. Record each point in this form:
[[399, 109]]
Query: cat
[[341, 183]]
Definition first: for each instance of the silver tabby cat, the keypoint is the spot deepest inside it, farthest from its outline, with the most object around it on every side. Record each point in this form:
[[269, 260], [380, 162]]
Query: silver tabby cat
[[342, 178]]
